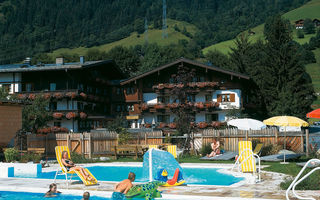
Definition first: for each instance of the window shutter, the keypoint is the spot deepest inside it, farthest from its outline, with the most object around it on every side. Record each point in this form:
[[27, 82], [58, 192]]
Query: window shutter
[[219, 98], [232, 98]]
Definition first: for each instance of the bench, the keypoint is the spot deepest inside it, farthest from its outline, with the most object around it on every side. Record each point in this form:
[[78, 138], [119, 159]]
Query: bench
[[128, 150]]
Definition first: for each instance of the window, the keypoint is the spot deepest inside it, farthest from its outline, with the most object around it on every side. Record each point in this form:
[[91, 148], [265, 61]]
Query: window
[[130, 108], [29, 87], [208, 97], [191, 98], [130, 90], [53, 86], [163, 118], [53, 105], [58, 124], [164, 100], [211, 117], [198, 79], [226, 97], [80, 87]]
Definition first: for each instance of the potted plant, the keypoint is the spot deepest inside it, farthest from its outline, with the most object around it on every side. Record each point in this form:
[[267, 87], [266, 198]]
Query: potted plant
[[83, 115], [58, 95], [202, 124], [71, 115], [71, 95], [173, 125], [215, 124], [46, 95], [162, 125], [199, 105], [22, 96], [32, 96], [147, 125]]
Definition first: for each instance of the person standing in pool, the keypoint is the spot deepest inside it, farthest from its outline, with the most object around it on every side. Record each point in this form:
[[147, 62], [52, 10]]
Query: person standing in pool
[[52, 191], [123, 187], [86, 196], [71, 166]]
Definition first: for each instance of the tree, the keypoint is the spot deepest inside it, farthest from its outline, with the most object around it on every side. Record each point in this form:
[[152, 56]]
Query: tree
[[183, 113], [218, 59], [308, 26], [3, 93], [300, 34], [36, 115], [126, 58], [286, 86]]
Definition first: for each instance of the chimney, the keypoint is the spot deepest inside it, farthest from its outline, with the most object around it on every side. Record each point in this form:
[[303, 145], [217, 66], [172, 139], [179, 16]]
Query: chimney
[[27, 61], [82, 60], [60, 61]]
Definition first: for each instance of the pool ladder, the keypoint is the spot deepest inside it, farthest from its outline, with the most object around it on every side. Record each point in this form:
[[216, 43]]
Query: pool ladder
[[296, 181], [252, 155]]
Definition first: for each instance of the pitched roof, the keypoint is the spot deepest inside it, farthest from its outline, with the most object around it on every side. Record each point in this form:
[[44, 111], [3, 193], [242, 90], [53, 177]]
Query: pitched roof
[[184, 60], [50, 67]]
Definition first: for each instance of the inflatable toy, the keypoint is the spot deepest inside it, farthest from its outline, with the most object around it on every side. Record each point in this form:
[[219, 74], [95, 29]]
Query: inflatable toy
[[148, 191], [175, 181]]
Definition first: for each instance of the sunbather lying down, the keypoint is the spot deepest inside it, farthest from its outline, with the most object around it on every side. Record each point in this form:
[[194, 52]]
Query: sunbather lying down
[[71, 166], [215, 146]]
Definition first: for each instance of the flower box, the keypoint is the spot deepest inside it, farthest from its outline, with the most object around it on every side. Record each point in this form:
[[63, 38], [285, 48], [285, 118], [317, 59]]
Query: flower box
[[32, 96], [173, 105], [199, 105], [71, 95], [22, 96], [160, 86], [202, 124], [46, 95], [83, 95], [162, 125], [144, 106], [147, 125], [172, 125], [71, 115], [57, 115], [215, 124], [58, 95], [83, 115], [159, 106]]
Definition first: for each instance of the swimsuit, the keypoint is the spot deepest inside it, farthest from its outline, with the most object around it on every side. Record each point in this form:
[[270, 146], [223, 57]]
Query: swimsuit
[[67, 167], [118, 196]]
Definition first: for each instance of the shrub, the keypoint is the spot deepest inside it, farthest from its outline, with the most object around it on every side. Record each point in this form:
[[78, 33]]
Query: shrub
[[11, 154], [270, 149], [310, 183], [205, 149], [78, 158], [30, 157]]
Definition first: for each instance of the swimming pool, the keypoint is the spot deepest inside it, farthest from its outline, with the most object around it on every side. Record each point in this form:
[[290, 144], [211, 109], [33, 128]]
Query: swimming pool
[[198, 176], [40, 196]]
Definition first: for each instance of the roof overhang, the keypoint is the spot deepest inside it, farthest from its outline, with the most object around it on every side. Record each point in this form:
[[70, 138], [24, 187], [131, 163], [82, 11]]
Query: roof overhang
[[184, 60]]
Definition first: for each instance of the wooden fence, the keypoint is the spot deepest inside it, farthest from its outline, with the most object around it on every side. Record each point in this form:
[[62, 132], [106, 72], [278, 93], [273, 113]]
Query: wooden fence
[[100, 143]]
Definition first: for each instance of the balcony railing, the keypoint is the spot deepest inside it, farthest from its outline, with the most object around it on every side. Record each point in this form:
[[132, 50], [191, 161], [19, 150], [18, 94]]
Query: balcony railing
[[190, 85], [171, 106], [61, 94]]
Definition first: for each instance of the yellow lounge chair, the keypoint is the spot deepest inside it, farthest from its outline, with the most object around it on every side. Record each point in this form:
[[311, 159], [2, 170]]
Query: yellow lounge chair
[[257, 150], [65, 172], [173, 150], [247, 159]]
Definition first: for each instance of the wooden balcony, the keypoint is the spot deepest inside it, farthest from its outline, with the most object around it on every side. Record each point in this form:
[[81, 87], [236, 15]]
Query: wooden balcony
[[191, 86]]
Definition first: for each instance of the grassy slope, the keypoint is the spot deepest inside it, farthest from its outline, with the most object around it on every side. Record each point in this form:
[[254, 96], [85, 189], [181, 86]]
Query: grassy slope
[[154, 36], [309, 10]]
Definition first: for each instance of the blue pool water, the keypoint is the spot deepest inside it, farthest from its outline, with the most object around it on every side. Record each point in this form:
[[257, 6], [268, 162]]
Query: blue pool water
[[200, 176], [39, 196]]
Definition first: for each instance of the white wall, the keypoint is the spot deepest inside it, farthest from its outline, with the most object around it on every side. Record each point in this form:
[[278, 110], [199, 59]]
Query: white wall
[[236, 104], [150, 98]]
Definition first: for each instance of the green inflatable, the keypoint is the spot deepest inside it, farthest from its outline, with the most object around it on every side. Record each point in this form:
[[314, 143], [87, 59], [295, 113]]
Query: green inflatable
[[147, 191]]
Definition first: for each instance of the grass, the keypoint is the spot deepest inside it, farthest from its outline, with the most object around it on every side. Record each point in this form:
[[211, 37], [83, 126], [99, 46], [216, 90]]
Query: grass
[[154, 36], [309, 10]]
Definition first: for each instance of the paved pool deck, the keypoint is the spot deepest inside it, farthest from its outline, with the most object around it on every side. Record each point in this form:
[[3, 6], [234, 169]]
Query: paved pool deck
[[268, 188]]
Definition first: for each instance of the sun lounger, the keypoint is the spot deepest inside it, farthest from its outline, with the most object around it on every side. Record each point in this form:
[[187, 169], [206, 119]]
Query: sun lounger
[[173, 150], [69, 174], [310, 164], [228, 155], [279, 157], [257, 150], [153, 146]]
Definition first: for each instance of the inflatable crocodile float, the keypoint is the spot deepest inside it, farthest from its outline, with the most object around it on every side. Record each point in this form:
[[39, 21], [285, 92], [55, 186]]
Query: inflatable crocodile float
[[147, 191]]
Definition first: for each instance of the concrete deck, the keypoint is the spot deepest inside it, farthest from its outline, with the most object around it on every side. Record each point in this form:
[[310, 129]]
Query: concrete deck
[[268, 188]]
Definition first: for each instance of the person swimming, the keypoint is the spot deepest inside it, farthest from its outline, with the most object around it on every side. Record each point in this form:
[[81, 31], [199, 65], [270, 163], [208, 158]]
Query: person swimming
[[52, 191], [71, 166], [86, 196], [123, 187]]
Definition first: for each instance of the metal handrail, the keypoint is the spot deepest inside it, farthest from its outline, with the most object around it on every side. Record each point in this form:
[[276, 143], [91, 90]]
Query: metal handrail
[[296, 181], [253, 155]]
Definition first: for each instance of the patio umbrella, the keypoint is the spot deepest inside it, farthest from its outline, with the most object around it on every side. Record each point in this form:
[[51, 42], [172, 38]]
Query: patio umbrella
[[285, 121], [247, 124], [314, 114]]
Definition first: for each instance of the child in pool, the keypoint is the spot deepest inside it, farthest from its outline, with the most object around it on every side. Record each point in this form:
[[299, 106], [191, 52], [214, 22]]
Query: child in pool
[[52, 191], [86, 196]]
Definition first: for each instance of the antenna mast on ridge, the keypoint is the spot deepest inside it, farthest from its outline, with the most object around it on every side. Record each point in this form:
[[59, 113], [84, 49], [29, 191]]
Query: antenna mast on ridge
[[146, 30], [164, 20]]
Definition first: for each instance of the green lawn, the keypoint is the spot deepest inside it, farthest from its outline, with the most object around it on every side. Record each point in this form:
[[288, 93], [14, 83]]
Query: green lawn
[[154, 36]]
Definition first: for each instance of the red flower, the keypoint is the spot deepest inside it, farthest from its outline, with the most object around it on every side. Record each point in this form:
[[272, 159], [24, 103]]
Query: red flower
[[58, 95], [147, 125], [71, 115], [144, 106], [83, 95], [162, 125], [202, 124], [71, 95], [22, 96], [172, 125], [57, 115], [47, 96], [159, 106], [32, 96], [83, 115], [199, 105]]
